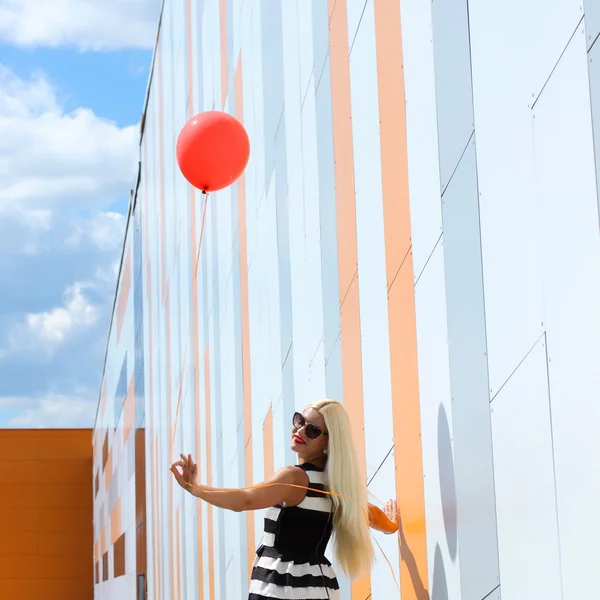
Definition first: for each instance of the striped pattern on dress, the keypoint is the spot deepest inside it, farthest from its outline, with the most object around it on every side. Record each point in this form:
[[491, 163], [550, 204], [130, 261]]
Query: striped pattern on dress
[[290, 562]]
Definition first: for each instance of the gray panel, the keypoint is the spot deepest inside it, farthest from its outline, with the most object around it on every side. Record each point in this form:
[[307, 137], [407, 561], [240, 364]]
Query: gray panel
[[327, 214], [592, 21], [594, 73], [452, 82], [320, 21], [477, 538], [283, 265], [272, 80]]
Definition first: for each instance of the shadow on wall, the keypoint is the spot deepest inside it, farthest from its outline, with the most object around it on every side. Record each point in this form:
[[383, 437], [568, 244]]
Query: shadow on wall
[[439, 589]]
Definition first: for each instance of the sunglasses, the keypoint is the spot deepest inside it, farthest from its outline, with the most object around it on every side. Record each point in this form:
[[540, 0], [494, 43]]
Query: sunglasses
[[312, 431]]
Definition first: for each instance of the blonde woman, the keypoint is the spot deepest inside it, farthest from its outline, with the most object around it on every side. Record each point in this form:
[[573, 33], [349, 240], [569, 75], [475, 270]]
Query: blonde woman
[[291, 562]]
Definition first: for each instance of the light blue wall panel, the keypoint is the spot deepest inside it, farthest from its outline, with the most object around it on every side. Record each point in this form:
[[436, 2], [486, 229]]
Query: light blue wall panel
[[272, 79], [320, 37], [469, 383], [453, 82], [594, 75], [372, 284], [592, 21], [328, 220], [305, 33], [571, 246], [524, 476]]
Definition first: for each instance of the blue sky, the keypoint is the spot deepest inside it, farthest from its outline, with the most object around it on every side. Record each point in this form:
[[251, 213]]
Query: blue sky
[[72, 82]]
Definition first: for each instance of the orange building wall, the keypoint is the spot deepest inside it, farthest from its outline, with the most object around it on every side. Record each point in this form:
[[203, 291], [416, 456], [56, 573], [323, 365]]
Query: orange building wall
[[46, 514]]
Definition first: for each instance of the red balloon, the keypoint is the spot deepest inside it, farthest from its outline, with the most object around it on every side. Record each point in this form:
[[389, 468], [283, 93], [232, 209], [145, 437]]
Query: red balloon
[[213, 149]]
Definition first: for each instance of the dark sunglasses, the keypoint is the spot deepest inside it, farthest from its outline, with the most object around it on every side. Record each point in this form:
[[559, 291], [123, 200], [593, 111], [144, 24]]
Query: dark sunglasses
[[312, 431]]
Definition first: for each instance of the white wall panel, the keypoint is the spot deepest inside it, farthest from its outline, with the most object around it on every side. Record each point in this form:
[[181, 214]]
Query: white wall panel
[[436, 427], [524, 480], [421, 131], [381, 488], [312, 243], [508, 211], [569, 211], [372, 283]]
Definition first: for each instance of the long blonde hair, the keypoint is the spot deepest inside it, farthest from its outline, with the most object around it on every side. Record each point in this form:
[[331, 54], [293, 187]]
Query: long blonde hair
[[353, 545]]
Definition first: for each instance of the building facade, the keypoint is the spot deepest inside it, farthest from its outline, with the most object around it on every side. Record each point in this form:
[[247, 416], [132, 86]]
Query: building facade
[[417, 235], [46, 514]]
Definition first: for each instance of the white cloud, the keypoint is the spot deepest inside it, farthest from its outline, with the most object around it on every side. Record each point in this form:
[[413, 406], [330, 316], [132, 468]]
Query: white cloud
[[53, 410], [54, 325], [50, 158], [83, 24], [104, 229]]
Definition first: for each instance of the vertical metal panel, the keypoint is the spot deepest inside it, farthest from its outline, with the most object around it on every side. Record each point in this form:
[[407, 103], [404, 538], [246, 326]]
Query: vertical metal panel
[[328, 219], [421, 131], [592, 21], [512, 271], [594, 75], [524, 476], [272, 79], [383, 573], [571, 244], [452, 82], [306, 56], [437, 431], [313, 325], [371, 245], [469, 380]]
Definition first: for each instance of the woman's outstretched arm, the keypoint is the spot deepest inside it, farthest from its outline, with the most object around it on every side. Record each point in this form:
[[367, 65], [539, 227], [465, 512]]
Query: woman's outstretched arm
[[287, 485], [385, 520]]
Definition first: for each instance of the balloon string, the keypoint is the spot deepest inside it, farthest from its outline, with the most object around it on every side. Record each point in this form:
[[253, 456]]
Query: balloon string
[[190, 325], [325, 492]]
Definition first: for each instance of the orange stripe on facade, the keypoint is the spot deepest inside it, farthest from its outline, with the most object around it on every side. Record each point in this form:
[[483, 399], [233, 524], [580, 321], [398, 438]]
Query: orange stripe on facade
[[268, 444], [401, 298], [124, 291], [194, 312], [245, 318], [347, 242], [223, 36], [211, 557]]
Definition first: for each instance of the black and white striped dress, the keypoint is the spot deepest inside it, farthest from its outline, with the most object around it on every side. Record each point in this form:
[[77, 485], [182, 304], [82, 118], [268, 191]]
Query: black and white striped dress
[[290, 561]]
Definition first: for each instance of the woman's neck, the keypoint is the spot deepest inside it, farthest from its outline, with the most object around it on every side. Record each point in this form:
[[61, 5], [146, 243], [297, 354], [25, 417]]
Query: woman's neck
[[319, 461]]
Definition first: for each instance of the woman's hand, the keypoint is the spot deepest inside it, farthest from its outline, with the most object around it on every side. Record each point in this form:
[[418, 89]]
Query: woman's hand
[[391, 511], [385, 520], [189, 472]]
